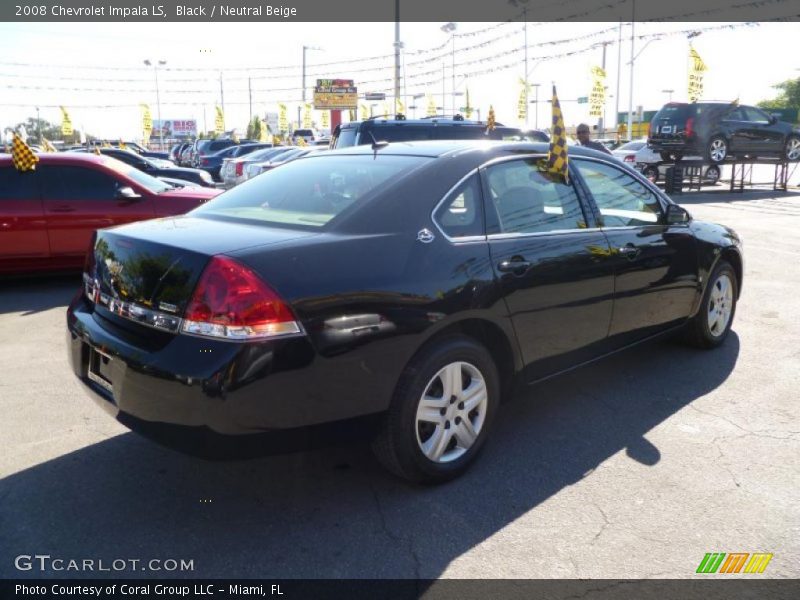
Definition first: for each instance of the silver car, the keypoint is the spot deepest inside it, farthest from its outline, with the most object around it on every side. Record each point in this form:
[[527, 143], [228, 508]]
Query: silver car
[[233, 170]]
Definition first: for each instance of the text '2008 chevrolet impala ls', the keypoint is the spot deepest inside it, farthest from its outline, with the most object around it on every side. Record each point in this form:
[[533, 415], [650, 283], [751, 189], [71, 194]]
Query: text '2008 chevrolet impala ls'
[[413, 282]]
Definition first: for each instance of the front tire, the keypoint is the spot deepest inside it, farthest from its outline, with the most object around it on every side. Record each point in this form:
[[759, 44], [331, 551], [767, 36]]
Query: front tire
[[712, 323], [712, 175], [441, 412], [651, 173], [792, 149], [717, 149]]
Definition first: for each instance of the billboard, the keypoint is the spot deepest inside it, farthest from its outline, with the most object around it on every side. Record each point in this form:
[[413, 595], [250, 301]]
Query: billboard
[[335, 94], [174, 128]]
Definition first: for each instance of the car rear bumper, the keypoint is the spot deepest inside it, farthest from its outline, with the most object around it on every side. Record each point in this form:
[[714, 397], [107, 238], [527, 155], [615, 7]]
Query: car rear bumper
[[217, 392]]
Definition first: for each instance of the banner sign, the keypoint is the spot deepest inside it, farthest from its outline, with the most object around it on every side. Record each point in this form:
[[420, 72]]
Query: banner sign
[[696, 70], [335, 94], [174, 128], [597, 97]]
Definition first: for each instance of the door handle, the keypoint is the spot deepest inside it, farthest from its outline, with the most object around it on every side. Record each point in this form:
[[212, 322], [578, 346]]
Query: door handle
[[518, 266], [63, 208], [629, 251]]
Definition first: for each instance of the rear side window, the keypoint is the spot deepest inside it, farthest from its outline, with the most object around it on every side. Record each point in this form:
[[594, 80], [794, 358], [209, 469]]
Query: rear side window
[[76, 183], [461, 213], [347, 138], [526, 200], [309, 192], [15, 185]]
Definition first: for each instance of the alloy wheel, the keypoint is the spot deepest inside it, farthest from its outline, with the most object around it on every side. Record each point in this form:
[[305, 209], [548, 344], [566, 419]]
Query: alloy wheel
[[451, 412], [718, 150], [793, 149], [720, 305]]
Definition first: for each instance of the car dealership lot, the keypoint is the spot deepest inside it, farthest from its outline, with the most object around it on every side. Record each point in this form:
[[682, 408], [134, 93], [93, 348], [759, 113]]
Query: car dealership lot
[[633, 467]]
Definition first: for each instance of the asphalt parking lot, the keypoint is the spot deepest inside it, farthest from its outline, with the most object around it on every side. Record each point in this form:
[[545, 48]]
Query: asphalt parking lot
[[633, 467]]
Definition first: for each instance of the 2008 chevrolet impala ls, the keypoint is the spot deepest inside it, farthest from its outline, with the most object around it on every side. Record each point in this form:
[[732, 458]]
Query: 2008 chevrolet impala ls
[[410, 281]]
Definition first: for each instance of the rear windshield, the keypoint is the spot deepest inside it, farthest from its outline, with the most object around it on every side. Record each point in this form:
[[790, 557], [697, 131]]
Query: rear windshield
[[346, 138], [309, 192], [681, 112], [632, 146]]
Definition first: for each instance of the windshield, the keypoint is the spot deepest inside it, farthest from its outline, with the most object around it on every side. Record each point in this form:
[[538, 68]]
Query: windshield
[[308, 193], [153, 185]]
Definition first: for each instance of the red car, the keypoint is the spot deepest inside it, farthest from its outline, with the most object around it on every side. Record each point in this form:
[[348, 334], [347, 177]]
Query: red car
[[47, 216]]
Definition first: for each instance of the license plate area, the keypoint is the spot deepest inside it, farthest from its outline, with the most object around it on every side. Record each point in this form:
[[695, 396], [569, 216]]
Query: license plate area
[[99, 369], [667, 129]]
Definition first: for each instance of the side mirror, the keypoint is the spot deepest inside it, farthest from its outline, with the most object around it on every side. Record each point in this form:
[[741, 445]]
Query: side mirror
[[677, 215], [773, 119], [127, 193]]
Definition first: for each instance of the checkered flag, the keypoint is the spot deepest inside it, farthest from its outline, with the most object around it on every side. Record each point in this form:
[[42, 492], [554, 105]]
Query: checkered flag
[[557, 160], [23, 157]]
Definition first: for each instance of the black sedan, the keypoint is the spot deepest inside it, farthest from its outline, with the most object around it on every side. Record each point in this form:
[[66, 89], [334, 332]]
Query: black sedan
[[411, 282], [717, 131], [151, 167], [213, 162]]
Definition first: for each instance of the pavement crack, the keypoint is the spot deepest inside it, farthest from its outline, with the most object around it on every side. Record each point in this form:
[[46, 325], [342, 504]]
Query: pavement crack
[[397, 539], [606, 523]]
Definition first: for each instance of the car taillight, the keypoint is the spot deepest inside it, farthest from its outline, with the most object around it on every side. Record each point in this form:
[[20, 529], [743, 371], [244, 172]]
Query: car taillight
[[650, 129], [689, 127], [239, 169], [630, 158], [231, 302], [90, 286], [204, 161]]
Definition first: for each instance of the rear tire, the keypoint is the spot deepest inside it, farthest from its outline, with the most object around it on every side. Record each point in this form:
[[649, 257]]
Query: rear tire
[[712, 175], [441, 411], [791, 150], [717, 149], [651, 173], [712, 323]]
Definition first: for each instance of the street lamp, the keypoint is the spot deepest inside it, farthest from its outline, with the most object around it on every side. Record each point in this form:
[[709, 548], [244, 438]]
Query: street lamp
[[300, 108], [668, 92], [451, 29], [38, 125], [155, 65], [524, 4]]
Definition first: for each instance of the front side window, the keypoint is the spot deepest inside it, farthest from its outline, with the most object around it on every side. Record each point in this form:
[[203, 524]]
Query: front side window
[[308, 193], [622, 200], [77, 183], [755, 116], [525, 199], [461, 214]]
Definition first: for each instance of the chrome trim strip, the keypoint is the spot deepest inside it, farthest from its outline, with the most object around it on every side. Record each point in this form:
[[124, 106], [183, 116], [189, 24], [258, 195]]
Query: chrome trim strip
[[513, 235]]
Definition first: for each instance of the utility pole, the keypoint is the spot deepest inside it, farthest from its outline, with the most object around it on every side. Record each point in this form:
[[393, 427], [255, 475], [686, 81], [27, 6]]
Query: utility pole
[[600, 120], [527, 105], [222, 100], [396, 53], [630, 91], [619, 75], [250, 96]]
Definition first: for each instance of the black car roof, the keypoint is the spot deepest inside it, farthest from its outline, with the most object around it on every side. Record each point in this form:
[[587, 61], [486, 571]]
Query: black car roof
[[437, 148]]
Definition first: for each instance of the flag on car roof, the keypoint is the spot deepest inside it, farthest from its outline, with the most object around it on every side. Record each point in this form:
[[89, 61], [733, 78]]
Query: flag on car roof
[[21, 155], [557, 161], [97, 150], [47, 146], [122, 145], [490, 120]]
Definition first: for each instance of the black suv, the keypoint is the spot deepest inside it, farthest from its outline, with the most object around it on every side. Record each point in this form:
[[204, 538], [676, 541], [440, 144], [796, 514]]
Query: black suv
[[716, 130], [359, 133]]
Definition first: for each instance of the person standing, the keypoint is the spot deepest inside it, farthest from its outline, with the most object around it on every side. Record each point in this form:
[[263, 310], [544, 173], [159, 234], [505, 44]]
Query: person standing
[[585, 140]]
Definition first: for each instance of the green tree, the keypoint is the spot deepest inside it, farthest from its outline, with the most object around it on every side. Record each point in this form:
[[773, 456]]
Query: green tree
[[789, 96], [254, 129]]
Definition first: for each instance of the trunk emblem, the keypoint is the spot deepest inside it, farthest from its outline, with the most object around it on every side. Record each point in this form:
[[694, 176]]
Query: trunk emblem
[[425, 236], [167, 307]]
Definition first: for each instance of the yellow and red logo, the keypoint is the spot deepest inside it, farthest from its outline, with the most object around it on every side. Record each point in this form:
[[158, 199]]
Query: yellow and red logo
[[734, 562]]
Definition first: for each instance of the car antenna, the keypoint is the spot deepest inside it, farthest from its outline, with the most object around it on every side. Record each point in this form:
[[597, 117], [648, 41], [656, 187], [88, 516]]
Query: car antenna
[[376, 145]]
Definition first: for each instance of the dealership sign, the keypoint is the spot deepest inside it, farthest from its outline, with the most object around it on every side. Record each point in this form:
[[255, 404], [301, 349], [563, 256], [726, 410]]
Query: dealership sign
[[174, 128], [335, 94]]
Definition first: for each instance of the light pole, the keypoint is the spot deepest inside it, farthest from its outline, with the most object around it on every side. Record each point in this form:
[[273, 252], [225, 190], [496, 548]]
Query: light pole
[[536, 104], [451, 29], [155, 65], [524, 4], [38, 125], [668, 92], [630, 92], [300, 108], [416, 97]]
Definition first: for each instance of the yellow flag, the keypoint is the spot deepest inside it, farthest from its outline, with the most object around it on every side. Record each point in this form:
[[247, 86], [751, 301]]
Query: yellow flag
[[147, 123], [522, 103], [219, 121], [697, 69], [47, 146], [399, 108], [122, 145], [364, 112], [97, 150], [306, 116], [326, 119], [66, 122], [597, 97], [467, 107], [21, 155], [557, 160], [263, 133], [431, 111], [283, 117]]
